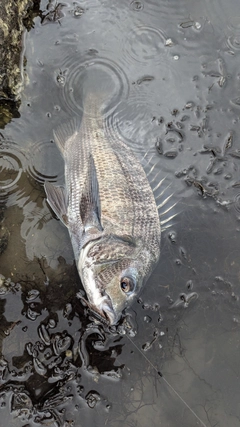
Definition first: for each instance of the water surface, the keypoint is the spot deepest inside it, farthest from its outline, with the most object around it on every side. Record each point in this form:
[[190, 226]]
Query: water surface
[[173, 70]]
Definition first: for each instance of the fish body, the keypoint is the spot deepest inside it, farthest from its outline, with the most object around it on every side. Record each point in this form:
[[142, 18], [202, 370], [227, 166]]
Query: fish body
[[110, 211]]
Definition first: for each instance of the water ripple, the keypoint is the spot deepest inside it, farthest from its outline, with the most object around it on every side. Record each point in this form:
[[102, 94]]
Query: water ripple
[[233, 34], [77, 71], [172, 11], [145, 44], [13, 162], [43, 162]]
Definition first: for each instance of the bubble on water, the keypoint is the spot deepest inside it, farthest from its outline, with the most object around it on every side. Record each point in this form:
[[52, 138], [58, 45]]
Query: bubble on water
[[77, 11], [197, 26], [169, 43], [92, 398], [136, 5]]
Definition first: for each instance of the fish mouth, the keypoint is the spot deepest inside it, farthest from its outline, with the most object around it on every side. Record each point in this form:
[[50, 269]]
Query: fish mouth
[[104, 312]]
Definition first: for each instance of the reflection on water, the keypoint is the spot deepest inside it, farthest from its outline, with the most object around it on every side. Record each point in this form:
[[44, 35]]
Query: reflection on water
[[173, 72]]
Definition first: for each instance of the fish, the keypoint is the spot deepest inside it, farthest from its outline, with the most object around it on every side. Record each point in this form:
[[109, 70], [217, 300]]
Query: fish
[[110, 211]]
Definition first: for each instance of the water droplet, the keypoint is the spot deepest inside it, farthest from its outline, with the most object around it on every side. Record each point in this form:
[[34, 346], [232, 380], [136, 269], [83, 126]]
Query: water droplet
[[169, 43], [176, 57], [197, 25]]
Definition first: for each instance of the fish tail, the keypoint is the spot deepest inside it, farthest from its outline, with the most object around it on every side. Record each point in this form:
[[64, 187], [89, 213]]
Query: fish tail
[[96, 93]]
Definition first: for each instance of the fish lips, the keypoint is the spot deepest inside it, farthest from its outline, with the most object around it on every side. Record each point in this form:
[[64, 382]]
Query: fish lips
[[109, 312], [105, 312]]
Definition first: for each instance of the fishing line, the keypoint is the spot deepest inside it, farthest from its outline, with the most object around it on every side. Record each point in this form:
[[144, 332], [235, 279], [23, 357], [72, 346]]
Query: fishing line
[[166, 381]]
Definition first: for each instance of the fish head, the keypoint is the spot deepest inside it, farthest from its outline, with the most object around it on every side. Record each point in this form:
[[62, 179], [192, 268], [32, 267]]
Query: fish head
[[122, 289], [113, 271], [111, 289], [111, 285]]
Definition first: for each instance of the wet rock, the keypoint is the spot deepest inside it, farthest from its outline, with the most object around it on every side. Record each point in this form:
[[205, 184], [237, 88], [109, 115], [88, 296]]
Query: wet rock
[[4, 236], [15, 16]]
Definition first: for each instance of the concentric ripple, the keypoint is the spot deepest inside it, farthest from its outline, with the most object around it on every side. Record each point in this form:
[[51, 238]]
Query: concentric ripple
[[131, 123], [170, 11], [233, 34], [12, 162], [145, 45], [100, 74], [45, 162]]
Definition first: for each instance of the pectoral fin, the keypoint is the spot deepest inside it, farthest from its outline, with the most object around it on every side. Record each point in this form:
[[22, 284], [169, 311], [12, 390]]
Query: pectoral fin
[[58, 200]]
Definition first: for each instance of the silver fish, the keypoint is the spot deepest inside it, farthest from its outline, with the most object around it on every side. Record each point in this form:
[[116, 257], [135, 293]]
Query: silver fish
[[110, 211]]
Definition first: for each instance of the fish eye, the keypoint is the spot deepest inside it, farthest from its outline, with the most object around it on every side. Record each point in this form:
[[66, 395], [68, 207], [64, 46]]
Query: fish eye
[[127, 284]]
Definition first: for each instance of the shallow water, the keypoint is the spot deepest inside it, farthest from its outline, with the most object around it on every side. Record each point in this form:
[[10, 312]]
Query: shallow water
[[173, 69]]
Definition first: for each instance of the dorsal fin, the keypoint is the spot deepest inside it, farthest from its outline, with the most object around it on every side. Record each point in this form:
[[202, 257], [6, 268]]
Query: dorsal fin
[[64, 132]]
